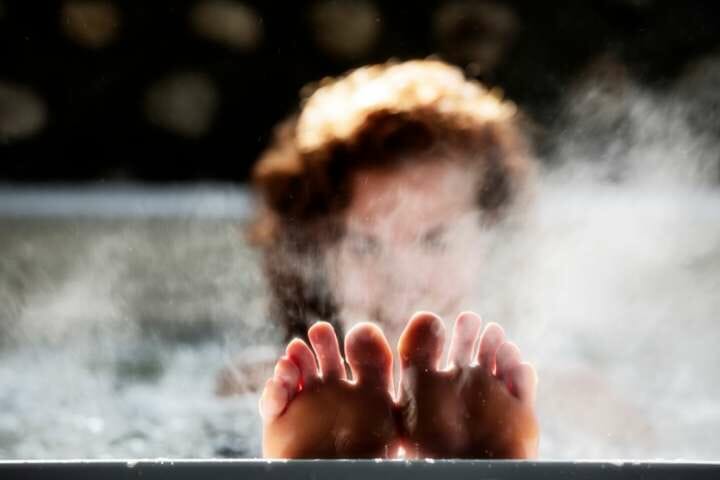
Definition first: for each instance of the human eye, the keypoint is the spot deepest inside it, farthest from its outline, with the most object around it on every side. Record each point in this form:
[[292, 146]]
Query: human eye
[[435, 239], [363, 245]]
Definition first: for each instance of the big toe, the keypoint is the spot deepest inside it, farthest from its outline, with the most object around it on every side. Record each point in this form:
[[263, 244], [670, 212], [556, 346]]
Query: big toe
[[421, 343], [369, 356]]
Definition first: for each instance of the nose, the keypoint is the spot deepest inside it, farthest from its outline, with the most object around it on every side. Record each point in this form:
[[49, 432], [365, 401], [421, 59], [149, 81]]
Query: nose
[[398, 273], [404, 283]]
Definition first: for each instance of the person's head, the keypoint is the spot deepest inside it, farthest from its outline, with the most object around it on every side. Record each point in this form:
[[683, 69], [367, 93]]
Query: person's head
[[377, 194]]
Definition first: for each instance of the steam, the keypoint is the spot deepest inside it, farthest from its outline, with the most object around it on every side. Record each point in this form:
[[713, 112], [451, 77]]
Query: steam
[[115, 330], [612, 129], [611, 287], [609, 280]]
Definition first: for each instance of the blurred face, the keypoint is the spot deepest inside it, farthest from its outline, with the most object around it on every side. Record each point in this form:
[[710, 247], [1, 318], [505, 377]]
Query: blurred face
[[413, 242]]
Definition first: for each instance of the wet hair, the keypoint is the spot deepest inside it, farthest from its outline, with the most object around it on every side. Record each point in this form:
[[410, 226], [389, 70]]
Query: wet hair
[[374, 117]]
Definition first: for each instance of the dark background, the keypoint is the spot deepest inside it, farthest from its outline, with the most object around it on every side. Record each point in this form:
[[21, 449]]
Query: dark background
[[97, 127]]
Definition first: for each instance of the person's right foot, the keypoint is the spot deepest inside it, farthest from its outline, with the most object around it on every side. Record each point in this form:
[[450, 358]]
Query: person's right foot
[[311, 410], [481, 406]]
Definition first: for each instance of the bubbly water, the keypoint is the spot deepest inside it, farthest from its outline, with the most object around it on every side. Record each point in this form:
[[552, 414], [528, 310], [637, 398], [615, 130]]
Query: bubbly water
[[114, 330], [119, 308]]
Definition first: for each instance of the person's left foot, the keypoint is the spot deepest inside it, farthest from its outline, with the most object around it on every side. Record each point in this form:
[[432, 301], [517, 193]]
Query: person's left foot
[[481, 406], [311, 410]]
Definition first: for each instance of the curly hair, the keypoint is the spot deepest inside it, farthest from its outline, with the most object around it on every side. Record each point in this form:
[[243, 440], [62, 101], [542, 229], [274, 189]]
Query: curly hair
[[375, 116]]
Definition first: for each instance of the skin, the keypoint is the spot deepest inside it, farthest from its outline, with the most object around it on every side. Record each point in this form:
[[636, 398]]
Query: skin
[[311, 410], [480, 406], [403, 226], [386, 267]]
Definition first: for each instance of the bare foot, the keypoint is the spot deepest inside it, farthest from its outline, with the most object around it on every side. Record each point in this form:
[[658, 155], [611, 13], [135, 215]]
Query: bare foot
[[311, 410], [480, 406]]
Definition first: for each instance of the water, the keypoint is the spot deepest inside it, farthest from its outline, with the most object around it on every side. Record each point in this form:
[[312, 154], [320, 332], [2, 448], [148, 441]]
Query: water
[[114, 328], [113, 332]]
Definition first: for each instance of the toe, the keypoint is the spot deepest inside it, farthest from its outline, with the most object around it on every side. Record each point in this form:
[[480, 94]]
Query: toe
[[506, 359], [491, 339], [303, 358], [324, 342], [273, 400], [524, 380], [287, 374], [465, 333], [369, 356], [421, 344]]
